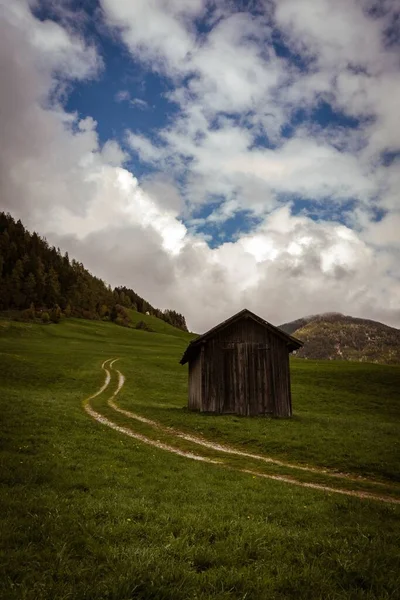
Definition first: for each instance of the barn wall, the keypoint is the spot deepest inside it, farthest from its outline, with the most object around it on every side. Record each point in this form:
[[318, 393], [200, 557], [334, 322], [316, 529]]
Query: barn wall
[[195, 383], [216, 363], [245, 330], [281, 377], [246, 346], [212, 378]]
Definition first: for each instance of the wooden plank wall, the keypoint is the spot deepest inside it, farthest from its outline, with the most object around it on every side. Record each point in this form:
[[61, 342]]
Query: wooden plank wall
[[260, 377], [281, 377], [195, 383]]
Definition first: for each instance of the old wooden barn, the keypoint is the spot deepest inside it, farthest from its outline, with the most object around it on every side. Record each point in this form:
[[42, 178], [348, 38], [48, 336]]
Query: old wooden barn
[[241, 366]]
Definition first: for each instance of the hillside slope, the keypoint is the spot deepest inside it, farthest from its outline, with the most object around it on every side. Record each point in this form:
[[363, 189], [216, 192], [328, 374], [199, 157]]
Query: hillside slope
[[157, 325], [333, 336], [36, 278]]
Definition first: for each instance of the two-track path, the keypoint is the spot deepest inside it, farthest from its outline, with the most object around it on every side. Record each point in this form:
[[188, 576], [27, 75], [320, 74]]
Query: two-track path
[[125, 430], [108, 367]]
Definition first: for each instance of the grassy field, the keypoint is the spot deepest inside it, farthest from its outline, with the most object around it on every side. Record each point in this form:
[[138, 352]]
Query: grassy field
[[87, 513]]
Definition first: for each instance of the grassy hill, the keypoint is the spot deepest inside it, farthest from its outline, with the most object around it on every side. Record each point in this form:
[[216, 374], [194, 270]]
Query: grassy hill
[[87, 512], [333, 336], [157, 325]]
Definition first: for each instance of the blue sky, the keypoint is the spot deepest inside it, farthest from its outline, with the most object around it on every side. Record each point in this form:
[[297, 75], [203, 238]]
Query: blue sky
[[235, 152]]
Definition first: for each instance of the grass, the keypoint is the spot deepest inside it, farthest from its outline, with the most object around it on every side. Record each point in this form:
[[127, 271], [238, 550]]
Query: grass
[[346, 415], [87, 513], [157, 325]]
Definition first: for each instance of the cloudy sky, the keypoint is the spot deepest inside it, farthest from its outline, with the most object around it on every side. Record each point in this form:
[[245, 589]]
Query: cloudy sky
[[211, 155]]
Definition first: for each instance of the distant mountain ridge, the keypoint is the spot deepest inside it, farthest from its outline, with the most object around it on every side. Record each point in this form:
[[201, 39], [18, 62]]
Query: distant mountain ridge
[[334, 336]]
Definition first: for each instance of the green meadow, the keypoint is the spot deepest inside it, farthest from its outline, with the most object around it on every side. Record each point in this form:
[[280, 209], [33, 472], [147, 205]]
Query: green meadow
[[90, 513]]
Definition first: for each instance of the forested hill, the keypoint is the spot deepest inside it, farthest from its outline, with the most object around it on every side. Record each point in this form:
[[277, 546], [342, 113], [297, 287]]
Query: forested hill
[[37, 277]]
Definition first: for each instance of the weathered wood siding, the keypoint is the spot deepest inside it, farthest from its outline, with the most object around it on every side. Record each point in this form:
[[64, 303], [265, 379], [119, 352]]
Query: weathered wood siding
[[281, 377], [195, 383], [245, 370]]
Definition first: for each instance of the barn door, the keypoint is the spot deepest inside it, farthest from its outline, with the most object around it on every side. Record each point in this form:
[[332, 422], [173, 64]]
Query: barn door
[[236, 379], [247, 379], [261, 380]]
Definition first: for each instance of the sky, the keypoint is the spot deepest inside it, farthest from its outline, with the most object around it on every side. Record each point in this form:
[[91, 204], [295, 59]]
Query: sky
[[211, 155]]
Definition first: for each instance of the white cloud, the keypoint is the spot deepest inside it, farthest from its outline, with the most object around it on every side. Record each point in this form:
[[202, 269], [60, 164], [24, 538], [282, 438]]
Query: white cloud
[[122, 95], [333, 34], [233, 73], [385, 232], [52, 47], [305, 167], [142, 104], [351, 62], [112, 154], [155, 31], [147, 151]]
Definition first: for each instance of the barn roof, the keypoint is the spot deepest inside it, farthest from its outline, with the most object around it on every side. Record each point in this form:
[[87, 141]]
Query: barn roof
[[195, 345]]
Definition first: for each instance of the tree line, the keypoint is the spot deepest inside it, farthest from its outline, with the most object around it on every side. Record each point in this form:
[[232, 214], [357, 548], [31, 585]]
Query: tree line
[[38, 279], [129, 299]]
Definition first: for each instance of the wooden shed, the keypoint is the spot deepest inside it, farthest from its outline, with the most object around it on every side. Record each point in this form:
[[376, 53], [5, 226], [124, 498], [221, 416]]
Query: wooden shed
[[241, 366]]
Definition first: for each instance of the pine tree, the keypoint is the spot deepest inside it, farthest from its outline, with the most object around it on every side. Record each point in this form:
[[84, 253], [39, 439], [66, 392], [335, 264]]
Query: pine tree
[[114, 313], [17, 275], [29, 288], [55, 314], [40, 277], [52, 290]]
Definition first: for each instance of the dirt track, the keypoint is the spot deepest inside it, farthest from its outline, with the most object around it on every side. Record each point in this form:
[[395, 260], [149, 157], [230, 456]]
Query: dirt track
[[214, 446], [125, 430]]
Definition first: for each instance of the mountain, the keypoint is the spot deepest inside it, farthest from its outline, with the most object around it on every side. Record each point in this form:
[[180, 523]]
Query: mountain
[[333, 336]]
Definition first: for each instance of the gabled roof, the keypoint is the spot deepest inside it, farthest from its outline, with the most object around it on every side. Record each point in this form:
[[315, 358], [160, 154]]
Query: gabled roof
[[195, 345]]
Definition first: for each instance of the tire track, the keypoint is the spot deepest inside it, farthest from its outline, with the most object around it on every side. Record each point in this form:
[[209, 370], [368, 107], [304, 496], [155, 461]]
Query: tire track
[[142, 438], [125, 430], [225, 448]]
